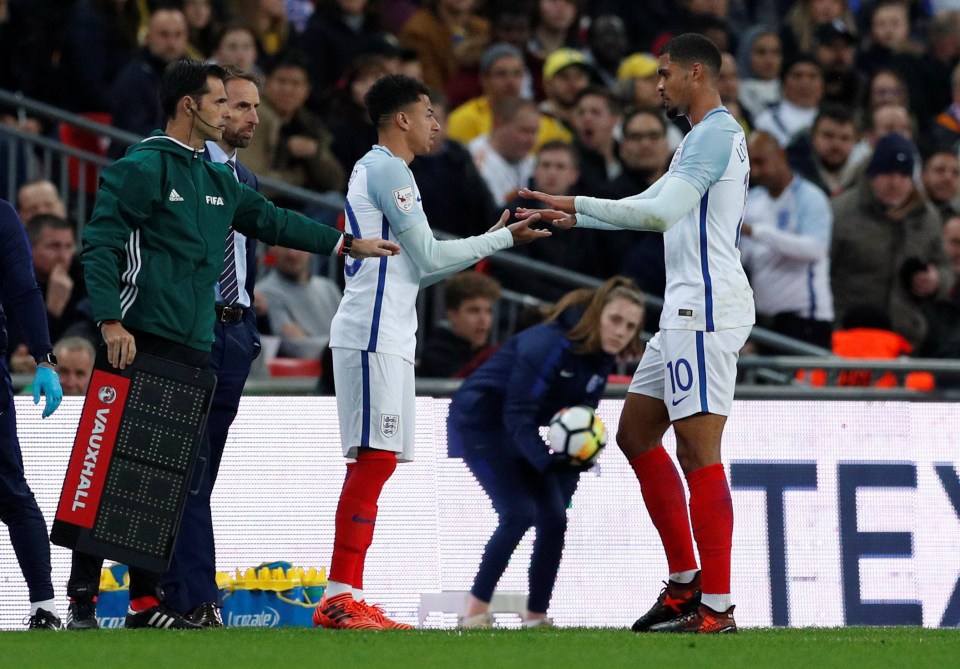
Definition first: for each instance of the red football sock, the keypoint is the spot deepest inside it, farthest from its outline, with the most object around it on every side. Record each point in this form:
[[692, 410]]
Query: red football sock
[[711, 512], [143, 603], [357, 514], [666, 503]]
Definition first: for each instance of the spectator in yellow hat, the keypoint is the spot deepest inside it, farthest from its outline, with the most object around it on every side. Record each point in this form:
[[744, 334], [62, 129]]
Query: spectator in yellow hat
[[501, 76], [566, 72], [637, 77]]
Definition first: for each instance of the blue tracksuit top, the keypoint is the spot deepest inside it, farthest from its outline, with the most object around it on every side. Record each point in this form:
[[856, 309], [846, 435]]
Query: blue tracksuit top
[[499, 408]]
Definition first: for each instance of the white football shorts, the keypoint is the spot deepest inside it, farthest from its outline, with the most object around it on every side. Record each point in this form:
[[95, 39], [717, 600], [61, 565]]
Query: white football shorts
[[691, 371], [376, 402]]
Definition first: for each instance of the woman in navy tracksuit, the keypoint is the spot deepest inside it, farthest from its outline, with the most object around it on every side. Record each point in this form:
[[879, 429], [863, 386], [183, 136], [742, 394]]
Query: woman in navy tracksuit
[[494, 423]]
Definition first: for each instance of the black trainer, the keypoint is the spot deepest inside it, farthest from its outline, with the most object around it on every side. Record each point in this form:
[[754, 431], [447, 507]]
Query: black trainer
[[206, 615], [43, 620], [702, 620], [675, 600], [159, 617], [82, 614]]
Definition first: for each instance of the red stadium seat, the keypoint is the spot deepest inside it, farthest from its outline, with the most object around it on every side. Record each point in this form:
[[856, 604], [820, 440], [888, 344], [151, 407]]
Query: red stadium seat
[[87, 141]]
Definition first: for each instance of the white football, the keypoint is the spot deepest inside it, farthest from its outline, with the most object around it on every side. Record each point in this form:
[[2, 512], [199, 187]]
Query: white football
[[577, 431]]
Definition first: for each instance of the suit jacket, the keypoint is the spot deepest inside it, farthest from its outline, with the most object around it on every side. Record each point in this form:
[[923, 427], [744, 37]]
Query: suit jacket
[[245, 176]]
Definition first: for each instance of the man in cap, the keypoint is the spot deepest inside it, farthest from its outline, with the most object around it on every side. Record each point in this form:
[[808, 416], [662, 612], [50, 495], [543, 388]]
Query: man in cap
[[887, 251], [835, 48], [566, 72], [637, 75]]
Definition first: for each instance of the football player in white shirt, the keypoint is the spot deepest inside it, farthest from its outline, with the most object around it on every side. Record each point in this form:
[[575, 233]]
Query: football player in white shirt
[[373, 334], [688, 372]]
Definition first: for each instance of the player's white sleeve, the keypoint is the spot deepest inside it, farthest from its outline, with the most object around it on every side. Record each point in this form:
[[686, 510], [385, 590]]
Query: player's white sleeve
[[675, 198], [427, 280], [450, 255], [584, 221]]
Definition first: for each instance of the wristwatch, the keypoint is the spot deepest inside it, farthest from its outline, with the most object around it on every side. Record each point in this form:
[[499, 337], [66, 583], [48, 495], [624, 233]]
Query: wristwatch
[[48, 358], [347, 244]]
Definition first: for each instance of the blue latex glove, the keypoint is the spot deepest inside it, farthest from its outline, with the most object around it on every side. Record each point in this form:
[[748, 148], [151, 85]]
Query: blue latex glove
[[47, 383]]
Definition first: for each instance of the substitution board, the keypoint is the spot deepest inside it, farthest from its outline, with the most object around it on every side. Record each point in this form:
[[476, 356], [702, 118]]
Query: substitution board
[[132, 460]]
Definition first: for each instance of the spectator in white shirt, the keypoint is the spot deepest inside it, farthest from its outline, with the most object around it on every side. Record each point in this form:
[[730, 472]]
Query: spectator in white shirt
[[785, 249], [505, 157], [802, 92]]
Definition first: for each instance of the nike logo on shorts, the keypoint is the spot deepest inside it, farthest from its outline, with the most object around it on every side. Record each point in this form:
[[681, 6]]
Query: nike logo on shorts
[[676, 402], [357, 518]]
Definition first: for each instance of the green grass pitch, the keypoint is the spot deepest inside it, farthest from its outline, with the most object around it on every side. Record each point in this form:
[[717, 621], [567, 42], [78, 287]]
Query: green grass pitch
[[293, 648]]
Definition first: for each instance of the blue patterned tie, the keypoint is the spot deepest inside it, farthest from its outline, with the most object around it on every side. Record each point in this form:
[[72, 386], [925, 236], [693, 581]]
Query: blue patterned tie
[[229, 289]]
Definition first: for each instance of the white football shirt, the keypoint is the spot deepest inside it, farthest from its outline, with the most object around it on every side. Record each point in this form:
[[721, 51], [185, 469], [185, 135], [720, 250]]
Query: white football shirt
[[707, 288], [378, 310]]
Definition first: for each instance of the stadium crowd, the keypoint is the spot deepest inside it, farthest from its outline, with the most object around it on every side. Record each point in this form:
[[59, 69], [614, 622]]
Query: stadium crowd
[[559, 95]]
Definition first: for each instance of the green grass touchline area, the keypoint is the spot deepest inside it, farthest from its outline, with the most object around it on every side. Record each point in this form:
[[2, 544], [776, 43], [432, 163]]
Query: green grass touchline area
[[290, 648]]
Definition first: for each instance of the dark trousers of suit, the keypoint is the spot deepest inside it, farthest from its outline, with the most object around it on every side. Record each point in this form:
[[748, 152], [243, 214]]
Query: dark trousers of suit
[[85, 569], [191, 579], [18, 507]]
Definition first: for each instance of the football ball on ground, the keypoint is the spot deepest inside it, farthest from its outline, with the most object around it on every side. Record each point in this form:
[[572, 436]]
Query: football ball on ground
[[577, 432]]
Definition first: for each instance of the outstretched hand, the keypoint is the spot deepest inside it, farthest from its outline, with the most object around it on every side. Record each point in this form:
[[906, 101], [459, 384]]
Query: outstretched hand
[[370, 248], [557, 219], [562, 203], [524, 234], [504, 217]]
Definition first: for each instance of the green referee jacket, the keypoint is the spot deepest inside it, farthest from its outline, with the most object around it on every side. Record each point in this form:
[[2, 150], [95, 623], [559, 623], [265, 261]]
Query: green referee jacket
[[153, 249]]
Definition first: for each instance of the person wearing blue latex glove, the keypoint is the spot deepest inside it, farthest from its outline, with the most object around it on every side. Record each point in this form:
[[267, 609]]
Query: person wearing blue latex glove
[[18, 508], [47, 383]]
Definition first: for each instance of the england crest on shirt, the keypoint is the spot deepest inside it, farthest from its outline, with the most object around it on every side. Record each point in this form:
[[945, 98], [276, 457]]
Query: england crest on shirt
[[404, 198]]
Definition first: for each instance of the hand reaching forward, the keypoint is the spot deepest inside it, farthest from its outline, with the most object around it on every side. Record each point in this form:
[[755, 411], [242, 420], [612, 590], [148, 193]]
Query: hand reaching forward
[[557, 219], [521, 230], [369, 248], [562, 203]]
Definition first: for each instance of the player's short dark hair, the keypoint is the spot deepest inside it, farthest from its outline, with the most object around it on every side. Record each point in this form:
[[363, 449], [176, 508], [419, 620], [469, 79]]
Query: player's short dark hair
[[689, 48], [36, 225], [186, 77], [390, 94], [467, 285]]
